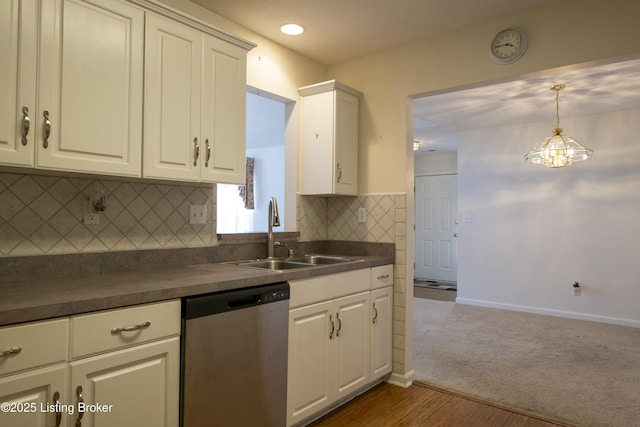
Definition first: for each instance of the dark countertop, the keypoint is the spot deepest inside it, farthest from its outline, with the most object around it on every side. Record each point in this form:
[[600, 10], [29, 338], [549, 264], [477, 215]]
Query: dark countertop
[[44, 298]]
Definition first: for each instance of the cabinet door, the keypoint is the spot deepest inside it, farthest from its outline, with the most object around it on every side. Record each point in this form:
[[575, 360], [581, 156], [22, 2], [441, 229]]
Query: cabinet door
[[316, 139], [381, 324], [18, 49], [351, 347], [310, 358], [35, 394], [91, 65], [223, 112], [138, 386], [346, 144], [173, 58]]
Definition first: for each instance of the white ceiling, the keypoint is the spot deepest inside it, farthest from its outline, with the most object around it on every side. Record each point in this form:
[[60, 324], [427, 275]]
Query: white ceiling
[[589, 91], [337, 30]]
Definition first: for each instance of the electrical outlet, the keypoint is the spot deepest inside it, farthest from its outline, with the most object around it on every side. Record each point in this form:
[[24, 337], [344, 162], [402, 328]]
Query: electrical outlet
[[362, 214], [197, 214], [90, 216]]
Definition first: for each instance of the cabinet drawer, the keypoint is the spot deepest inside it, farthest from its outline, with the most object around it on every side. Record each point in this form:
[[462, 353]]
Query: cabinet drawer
[[322, 288], [34, 344], [381, 276], [109, 330]]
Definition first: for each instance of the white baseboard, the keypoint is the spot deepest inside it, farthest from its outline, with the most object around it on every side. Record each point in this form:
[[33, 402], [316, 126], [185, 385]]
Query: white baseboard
[[402, 380], [550, 312]]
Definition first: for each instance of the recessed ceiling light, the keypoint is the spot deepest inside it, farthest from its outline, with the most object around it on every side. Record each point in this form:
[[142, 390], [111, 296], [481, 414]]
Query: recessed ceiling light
[[292, 29]]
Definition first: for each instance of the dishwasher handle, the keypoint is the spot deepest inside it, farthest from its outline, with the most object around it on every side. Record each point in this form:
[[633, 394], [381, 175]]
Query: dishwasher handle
[[238, 303], [235, 299]]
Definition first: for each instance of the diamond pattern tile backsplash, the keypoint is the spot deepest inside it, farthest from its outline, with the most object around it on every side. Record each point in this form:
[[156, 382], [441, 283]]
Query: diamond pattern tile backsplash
[[45, 215]]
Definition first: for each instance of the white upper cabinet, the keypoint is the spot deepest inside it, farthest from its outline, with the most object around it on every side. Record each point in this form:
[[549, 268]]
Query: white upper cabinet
[[18, 50], [90, 87], [76, 74], [87, 67], [173, 61], [194, 105], [329, 139]]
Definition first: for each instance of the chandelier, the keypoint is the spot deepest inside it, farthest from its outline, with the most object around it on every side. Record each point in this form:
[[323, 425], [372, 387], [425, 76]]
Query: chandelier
[[558, 151]]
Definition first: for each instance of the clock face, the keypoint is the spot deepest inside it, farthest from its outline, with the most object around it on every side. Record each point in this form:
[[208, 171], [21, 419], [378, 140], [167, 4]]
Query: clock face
[[508, 45]]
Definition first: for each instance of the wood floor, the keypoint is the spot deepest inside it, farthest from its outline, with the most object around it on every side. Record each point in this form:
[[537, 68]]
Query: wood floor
[[421, 406]]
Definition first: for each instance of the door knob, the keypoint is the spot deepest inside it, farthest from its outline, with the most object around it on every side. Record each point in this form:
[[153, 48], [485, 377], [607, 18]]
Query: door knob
[[455, 234]]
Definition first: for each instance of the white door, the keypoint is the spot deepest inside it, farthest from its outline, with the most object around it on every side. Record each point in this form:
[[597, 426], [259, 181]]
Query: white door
[[436, 210]]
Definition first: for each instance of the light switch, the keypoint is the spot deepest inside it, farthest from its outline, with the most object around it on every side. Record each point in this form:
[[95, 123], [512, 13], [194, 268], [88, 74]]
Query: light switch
[[362, 214], [197, 214]]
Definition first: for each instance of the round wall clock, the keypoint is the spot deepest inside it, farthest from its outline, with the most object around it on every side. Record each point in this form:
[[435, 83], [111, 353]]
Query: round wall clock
[[508, 45]]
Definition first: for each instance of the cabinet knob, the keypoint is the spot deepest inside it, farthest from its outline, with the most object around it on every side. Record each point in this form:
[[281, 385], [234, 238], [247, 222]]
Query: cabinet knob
[[80, 409], [131, 328], [26, 124], [375, 313], [196, 151], [47, 129], [12, 350], [56, 402], [333, 326], [206, 162]]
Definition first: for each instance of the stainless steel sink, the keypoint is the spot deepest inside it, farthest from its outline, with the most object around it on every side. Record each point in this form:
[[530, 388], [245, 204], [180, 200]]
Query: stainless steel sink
[[291, 263], [274, 264], [320, 259]]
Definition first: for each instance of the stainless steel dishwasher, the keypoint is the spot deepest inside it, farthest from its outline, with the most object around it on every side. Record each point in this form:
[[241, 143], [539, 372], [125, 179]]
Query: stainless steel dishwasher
[[234, 358]]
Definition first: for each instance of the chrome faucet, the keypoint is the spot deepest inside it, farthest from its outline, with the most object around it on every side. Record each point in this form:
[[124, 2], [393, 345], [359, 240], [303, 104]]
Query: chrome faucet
[[274, 221]]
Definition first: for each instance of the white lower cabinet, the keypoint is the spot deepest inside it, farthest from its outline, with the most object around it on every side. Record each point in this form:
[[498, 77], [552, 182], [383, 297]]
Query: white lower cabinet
[[138, 386], [339, 340], [328, 353], [381, 334], [111, 368], [30, 398]]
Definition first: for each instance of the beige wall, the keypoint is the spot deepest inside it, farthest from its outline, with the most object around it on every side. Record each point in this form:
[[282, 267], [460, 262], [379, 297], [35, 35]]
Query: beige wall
[[574, 32]]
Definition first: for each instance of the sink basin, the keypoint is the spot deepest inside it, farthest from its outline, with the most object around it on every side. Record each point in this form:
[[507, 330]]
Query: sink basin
[[320, 259], [274, 264]]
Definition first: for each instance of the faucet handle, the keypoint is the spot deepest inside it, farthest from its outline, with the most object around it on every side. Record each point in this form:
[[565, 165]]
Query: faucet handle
[[290, 253]]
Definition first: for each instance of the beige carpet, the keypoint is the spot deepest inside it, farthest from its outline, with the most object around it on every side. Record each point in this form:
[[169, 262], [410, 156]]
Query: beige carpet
[[582, 373]]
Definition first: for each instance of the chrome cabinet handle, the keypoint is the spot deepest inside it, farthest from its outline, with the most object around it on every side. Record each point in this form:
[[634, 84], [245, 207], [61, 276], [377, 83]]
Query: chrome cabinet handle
[[339, 173], [206, 162], [382, 277], [12, 350], [333, 326], [339, 324], [47, 129], [375, 313], [26, 125], [196, 151], [56, 402], [131, 328], [80, 401]]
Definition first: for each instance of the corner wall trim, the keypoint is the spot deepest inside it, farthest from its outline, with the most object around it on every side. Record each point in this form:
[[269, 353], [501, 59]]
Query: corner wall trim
[[402, 380]]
